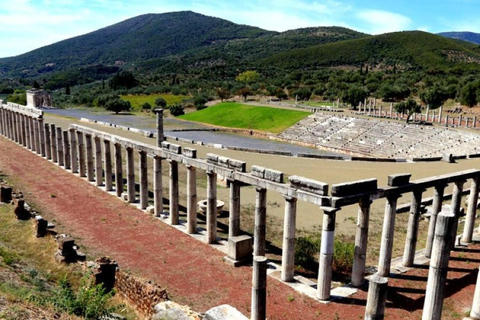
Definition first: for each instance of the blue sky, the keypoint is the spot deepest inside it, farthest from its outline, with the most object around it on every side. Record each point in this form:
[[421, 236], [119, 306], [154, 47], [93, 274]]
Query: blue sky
[[29, 24]]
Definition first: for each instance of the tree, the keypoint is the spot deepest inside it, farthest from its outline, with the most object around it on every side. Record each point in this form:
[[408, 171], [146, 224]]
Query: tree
[[123, 79], [223, 94], [245, 92], [67, 90], [146, 107], [176, 110], [248, 77], [36, 85], [303, 93], [434, 97], [118, 105], [160, 102], [18, 97], [468, 94], [354, 95], [199, 102], [409, 107]]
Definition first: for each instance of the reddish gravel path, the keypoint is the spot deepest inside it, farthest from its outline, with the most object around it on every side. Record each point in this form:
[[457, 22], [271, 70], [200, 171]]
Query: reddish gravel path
[[193, 272]]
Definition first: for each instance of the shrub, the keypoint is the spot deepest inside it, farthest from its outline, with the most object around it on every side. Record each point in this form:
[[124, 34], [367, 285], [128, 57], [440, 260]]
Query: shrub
[[176, 110], [343, 256], [306, 248], [146, 107]]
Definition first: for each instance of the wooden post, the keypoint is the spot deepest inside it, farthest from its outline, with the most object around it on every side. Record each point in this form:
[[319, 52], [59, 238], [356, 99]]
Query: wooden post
[[234, 214], [260, 222], [437, 274], [361, 242], [326, 254], [108, 165], [259, 288], [211, 207], [436, 207], [412, 228], [118, 170], [143, 176], [388, 231], [288, 248], [130, 175], [174, 214], [157, 186], [191, 199], [471, 211], [377, 298]]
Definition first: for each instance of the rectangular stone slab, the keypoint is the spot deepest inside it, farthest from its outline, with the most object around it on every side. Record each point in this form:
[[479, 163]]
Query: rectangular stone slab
[[354, 187], [308, 185]]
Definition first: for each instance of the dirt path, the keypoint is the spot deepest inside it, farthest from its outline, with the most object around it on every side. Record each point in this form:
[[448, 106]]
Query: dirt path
[[193, 272]]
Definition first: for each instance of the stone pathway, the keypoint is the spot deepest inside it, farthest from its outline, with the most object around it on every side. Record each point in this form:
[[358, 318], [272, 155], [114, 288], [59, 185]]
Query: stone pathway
[[193, 273]]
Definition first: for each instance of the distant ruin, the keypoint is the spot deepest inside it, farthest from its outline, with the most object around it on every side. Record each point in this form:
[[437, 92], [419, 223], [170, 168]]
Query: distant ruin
[[38, 98]]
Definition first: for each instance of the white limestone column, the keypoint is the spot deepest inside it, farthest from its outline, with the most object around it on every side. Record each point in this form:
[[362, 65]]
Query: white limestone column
[[160, 137], [471, 211], [259, 288], [73, 150], [61, 159], [53, 139], [260, 222], [361, 242], [376, 298], [98, 162], [288, 248], [108, 165], [211, 207], [66, 150], [118, 170], [436, 208], [173, 201], [90, 165], [191, 199], [234, 214], [143, 176], [324, 283], [412, 228], [41, 132], [388, 231], [130, 175], [48, 143], [157, 186], [82, 164]]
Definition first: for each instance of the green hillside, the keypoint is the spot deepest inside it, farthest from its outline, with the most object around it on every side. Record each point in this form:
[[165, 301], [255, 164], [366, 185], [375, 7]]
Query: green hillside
[[405, 50]]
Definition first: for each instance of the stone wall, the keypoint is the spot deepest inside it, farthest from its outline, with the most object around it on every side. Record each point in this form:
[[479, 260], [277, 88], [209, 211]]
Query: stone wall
[[142, 294]]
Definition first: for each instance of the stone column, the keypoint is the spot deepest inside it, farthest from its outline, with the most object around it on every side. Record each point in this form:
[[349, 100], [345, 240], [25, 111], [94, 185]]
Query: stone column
[[471, 211], [474, 121], [460, 119], [456, 204], [361, 242], [82, 164], [326, 254], [19, 129], [437, 274], [66, 150], [118, 170], [53, 139], [130, 175], [191, 199], [48, 144], [38, 147], [259, 288], [73, 150], [388, 231], [159, 113], [61, 159], [440, 114], [288, 248], [157, 185], [427, 113], [41, 132], [260, 222], [412, 228], [15, 127], [211, 207], [377, 298], [89, 147], [26, 120], [475, 311], [234, 214], [98, 162], [174, 214], [108, 165], [446, 120], [2, 125], [143, 177], [436, 208]]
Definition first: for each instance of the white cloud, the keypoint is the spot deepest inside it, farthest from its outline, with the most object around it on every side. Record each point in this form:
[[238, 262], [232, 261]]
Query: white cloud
[[379, 21]]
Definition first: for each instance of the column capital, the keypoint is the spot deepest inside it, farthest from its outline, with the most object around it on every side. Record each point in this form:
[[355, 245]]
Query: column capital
[[460, 183], [365, 202], [290, 198], [260, 189], [329, 210], [158, 110]]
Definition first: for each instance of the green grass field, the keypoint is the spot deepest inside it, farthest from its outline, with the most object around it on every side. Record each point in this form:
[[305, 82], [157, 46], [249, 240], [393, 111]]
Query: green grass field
[[138, 100], [236, 115]]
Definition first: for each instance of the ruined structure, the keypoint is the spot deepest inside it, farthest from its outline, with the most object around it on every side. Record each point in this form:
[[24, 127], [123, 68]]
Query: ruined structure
[[88, 153], [38, 98]]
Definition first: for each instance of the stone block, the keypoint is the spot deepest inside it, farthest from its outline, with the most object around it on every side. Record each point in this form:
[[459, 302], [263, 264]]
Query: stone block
[[20, 212], [237, 165], [150, 209], [190, 153], [175, 148], [448, 157], [41, 226], [309, 185], [224, 312], [258, 171], [212, 158], [240, 247], [396, 180], [223, 162], [165, 145], [273, 175], [354, 187], [5, 194]]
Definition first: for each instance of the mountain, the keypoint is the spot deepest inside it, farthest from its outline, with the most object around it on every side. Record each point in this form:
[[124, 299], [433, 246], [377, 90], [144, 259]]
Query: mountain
[[164, 36], [465, 36], [404, 50]]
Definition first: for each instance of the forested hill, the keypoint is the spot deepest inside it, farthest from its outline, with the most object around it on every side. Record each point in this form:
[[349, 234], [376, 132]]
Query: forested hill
[[400, 50], [164, 36], [464, 35]]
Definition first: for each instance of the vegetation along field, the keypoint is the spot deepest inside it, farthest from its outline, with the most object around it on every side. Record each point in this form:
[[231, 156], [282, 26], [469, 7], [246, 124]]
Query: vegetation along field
[[236, 115]]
